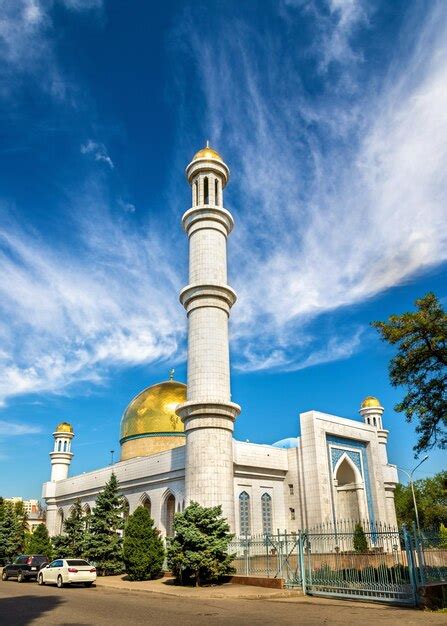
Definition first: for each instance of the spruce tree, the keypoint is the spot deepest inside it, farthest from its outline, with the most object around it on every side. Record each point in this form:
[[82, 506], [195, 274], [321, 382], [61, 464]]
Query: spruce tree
[[39, 542], [143, 550], [360, 541], [198, 553], [12, 534], [71, 543], [103, 543]]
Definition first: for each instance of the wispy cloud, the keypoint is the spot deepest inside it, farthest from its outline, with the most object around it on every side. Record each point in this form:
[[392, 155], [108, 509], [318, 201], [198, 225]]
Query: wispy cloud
[[98, 151], [27, 49], [13, 429], [106, 298], [338, 197]]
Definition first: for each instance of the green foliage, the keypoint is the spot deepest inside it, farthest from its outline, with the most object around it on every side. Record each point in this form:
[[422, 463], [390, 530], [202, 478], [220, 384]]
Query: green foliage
[[359, 540], [103, 543], [431, 499], [443, 536], [12, 531], [39, 542], [421, 365], [143, 550], [198, 553], [72, 542]]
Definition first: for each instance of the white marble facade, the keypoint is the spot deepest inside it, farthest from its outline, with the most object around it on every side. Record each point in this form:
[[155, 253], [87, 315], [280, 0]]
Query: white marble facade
[[337, 469]]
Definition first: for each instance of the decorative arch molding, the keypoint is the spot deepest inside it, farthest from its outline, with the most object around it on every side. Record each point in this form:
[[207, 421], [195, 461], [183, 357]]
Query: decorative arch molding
[[345, 457], [168, 510]]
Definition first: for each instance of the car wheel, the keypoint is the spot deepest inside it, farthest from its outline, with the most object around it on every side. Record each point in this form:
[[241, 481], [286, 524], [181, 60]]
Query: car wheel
[[4, 576], [60, 582], [40, 579], [88, 584], [20, 577]]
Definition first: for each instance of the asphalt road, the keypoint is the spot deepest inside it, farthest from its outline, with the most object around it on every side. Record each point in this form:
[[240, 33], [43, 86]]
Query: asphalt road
[[27, 603]]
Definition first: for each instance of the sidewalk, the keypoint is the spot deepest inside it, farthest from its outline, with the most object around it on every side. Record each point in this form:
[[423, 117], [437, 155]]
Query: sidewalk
[[166, 586]]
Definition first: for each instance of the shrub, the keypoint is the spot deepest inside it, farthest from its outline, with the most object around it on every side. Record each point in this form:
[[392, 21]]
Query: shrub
[[360, 541], [143, 550], [198, 553]]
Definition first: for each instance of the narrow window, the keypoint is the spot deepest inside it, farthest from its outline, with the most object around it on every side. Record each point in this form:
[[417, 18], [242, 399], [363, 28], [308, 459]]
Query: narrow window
[[216, 191], [266, 504], [291, 490], [196, 194], [244, 513], [206, 199], [65, 446], [368, 421], [59, 447], [374, 420], [292, 513]]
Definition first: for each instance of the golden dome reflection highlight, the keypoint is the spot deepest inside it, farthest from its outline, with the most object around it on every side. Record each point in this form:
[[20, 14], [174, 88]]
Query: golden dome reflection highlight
[[64, 427], [207, 153], [369, 402], [153, 411]]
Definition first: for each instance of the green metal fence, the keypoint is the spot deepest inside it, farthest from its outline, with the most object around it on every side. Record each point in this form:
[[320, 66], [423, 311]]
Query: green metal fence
[[386, 564]]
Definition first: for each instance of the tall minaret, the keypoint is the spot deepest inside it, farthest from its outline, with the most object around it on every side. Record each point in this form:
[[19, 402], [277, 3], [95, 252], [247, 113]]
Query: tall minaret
[[371, 410], [208, 414], [61, 455]]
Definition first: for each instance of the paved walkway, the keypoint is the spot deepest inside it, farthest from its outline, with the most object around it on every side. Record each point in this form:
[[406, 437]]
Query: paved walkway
[[166, 586]]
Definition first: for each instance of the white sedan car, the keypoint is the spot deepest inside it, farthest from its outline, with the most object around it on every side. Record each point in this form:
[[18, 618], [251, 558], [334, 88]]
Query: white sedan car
[[66, 571]]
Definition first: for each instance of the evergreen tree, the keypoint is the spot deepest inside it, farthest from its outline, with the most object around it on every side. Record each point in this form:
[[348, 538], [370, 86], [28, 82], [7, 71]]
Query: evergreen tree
[[360, 541], [22, 519], [198, 553], [143, 550], [72, 542], [39, 542], [12, 535], [103, 543]]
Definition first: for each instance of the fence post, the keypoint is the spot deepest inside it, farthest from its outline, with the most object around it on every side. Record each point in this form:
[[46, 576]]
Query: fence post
[[301, 555], [410, 561]]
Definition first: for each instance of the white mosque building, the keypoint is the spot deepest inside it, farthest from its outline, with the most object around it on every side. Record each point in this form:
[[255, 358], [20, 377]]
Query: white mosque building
[[177, 442]]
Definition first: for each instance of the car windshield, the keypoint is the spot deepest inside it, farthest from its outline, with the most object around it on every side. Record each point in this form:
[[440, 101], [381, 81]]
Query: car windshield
[[77, 562]]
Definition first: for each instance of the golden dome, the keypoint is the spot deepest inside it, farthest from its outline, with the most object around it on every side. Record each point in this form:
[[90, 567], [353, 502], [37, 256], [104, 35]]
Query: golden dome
[[207, 153], [370, 402], [64, 427], [153, 412]]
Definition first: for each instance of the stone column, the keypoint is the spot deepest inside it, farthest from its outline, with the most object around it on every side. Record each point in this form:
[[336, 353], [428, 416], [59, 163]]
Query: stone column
[[208, 414]]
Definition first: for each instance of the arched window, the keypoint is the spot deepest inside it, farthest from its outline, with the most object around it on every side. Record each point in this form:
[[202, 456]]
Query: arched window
[[59, 446], [206, 198], [146, 502], [170, 512], [374, 420], [216, 191], [60, 522], [65, 446], [244, 513], [125, 508], [266, 504]]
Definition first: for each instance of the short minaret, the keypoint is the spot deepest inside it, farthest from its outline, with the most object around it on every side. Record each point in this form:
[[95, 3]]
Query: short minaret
[[372, 411], [208, 414], [61, 455]]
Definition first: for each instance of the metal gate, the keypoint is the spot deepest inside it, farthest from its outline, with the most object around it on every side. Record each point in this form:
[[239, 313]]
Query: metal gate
[[373, 562], [377, 565]]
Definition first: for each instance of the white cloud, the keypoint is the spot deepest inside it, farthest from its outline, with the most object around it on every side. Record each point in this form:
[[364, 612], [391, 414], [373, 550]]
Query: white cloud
[[106, 297], [339, 197], [12, 429], [128, 207], [98, 151]]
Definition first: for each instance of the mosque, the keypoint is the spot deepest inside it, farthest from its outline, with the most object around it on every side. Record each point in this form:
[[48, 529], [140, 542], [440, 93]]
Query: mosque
[[177, 442]]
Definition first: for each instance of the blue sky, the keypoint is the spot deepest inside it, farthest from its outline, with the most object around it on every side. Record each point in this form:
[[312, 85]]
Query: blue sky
[[331, 116]]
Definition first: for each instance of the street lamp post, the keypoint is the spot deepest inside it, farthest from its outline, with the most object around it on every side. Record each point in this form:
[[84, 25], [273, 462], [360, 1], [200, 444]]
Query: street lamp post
[[410, 476]]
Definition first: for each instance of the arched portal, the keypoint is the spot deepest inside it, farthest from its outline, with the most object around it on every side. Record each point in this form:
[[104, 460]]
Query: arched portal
[[349, 490]]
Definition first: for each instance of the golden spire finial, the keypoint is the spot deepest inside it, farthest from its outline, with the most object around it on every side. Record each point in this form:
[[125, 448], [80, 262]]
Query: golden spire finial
[[207, 143], [171, 374]]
